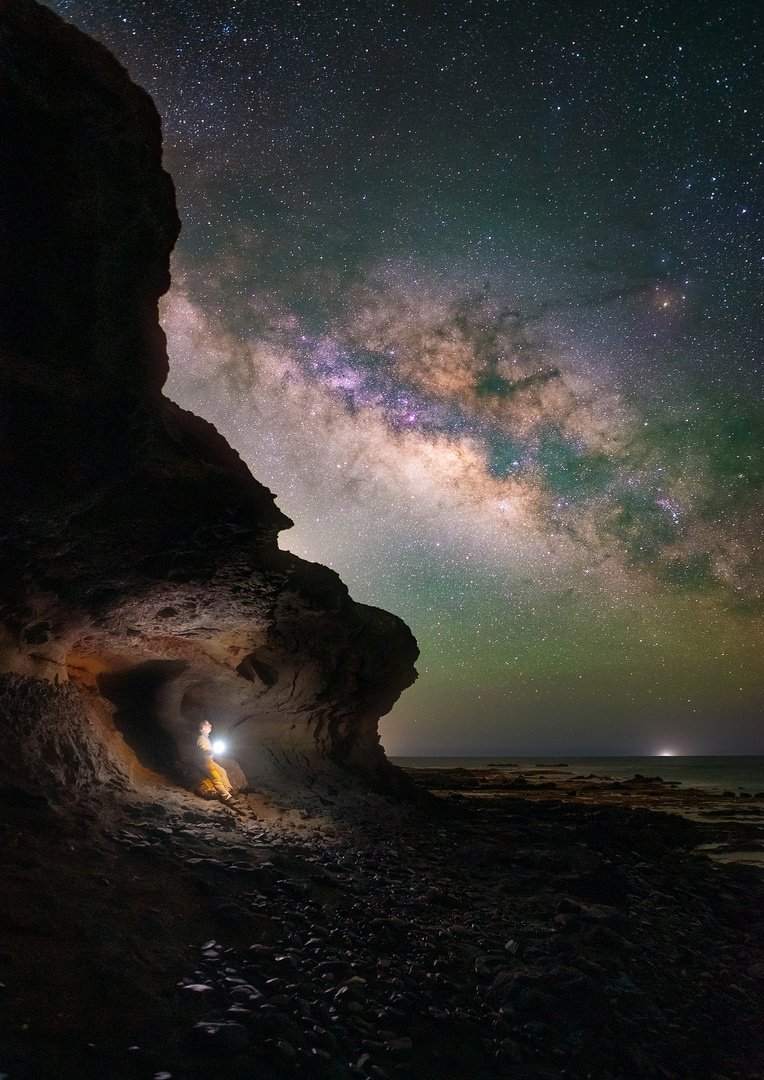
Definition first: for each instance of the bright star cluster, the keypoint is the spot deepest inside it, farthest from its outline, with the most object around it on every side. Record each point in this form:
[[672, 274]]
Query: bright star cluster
[[476, 289]]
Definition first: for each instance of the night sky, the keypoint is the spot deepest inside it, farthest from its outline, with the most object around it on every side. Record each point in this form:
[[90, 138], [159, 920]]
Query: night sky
[[476, 289]]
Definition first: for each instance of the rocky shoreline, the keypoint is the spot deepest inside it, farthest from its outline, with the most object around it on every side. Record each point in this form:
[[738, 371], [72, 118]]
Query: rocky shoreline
[[508, 934], [734, 821]]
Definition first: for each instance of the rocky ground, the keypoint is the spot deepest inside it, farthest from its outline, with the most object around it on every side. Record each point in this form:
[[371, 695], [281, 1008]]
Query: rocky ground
[[496, 933]]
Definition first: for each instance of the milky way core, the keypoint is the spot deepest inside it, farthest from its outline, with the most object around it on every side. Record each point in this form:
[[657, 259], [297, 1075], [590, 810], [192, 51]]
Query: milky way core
[[476, 290]]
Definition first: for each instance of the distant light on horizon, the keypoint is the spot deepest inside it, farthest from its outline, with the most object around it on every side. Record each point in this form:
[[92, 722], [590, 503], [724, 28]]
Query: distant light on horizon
[[667, 753]]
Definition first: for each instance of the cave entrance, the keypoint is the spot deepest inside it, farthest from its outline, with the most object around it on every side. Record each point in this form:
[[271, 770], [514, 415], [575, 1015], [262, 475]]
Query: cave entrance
[[136, 694]]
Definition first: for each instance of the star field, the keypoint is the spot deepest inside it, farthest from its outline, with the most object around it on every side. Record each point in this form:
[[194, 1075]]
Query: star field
[[476, 289]]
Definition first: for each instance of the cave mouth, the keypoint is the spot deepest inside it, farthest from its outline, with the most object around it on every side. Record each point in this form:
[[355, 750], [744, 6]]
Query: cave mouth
[[135, 693]]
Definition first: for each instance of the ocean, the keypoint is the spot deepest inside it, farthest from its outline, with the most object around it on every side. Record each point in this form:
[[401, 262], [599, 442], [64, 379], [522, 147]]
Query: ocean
[[712, 774]]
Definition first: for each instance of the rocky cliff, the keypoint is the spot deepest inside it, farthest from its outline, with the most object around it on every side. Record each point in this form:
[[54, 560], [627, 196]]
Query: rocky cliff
[[141, 582]]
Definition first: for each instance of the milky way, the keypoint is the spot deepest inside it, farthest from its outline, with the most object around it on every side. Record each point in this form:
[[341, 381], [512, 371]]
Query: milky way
[[476, 289]]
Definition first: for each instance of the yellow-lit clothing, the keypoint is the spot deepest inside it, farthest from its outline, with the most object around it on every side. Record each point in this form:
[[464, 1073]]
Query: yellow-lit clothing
[[216, 772]]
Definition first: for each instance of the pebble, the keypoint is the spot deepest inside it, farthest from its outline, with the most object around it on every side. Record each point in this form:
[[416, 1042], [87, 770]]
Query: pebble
[[220, 1036], [411, 964]]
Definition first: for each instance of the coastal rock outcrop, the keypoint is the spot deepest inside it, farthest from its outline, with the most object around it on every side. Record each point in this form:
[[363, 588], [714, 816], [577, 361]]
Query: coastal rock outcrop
[[141, 582]]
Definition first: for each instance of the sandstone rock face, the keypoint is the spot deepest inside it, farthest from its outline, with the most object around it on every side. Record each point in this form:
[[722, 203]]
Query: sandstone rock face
[[141, 583]]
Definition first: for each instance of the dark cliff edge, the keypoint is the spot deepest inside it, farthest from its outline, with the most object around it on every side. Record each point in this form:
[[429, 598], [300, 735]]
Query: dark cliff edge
[[141, 582]]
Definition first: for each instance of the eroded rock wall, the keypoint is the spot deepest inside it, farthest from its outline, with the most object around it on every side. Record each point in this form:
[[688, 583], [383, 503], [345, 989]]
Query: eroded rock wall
[[141, 583]]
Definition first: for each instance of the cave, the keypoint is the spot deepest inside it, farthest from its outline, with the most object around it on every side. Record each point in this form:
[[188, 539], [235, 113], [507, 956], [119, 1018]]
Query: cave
[[136, 695], [141, 580]]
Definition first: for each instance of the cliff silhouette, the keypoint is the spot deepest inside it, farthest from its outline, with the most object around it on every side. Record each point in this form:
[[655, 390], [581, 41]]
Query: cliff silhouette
[[141, 582]]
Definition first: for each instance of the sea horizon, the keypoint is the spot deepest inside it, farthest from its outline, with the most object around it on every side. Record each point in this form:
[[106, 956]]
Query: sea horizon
[[708, 772]]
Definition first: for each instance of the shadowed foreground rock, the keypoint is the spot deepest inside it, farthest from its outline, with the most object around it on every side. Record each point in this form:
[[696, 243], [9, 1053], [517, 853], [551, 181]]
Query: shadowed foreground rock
[[141, 584]]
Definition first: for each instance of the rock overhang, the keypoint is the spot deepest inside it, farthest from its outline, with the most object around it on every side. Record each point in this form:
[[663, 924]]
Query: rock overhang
[[140, 573]]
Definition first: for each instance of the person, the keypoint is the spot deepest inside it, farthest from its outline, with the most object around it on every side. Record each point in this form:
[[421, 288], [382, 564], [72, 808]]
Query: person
[[214, 771]]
